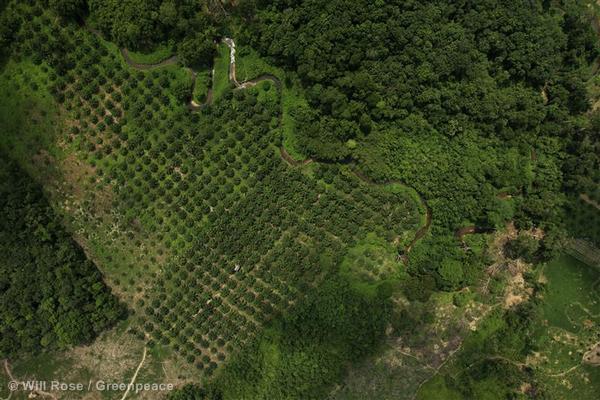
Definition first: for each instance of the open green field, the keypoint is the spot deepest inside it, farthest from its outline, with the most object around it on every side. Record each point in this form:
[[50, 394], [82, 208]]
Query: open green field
[[249, 65], [572, 295], [202, 86], [370, 263]]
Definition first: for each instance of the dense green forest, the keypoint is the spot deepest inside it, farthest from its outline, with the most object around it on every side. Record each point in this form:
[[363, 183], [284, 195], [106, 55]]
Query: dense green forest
[[466, 102], [52, 296], [269, 235], [459, 99]]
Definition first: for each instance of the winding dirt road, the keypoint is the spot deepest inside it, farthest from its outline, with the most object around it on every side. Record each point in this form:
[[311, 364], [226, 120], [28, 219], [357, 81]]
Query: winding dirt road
[[135, 374], [290, 160], [193, 105]]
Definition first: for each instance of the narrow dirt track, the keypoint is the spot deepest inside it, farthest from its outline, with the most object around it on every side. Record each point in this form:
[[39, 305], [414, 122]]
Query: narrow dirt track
[[290, 160], [10, 377], [193, 105], [135, 375], [33, 393], [586, 198]]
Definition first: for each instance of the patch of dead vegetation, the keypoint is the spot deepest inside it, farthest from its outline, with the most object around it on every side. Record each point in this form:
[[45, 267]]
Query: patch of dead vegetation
[[592, 356], [111, 356], [517, 291]]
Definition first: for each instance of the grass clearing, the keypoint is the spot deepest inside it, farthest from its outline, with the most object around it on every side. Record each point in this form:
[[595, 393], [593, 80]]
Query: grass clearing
[[437, 389], [249, 65], [221, 71], [571, 295], [571, 313], [160, 53], [370, 263]]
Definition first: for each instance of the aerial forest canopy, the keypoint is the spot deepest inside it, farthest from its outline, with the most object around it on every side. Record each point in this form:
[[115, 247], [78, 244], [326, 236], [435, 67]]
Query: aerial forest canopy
[[142, 25], [51, 295], [460, 66], [459, 99], [295, 196]]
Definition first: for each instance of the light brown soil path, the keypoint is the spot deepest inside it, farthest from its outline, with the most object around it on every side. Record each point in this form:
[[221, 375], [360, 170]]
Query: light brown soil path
[[589, 201], [135, 375], [34, 393], [290, 160], [10, 377]]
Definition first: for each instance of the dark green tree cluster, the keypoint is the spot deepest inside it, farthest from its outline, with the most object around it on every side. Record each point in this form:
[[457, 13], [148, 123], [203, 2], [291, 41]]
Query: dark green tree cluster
[[582, 181], [144, 24], [462, 66], [69, 9], [198, 49], [524, 247], [303, 352], [582, 169], [51, 295], [442, 258], [195, 392], [458, 99], [9, 24]]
